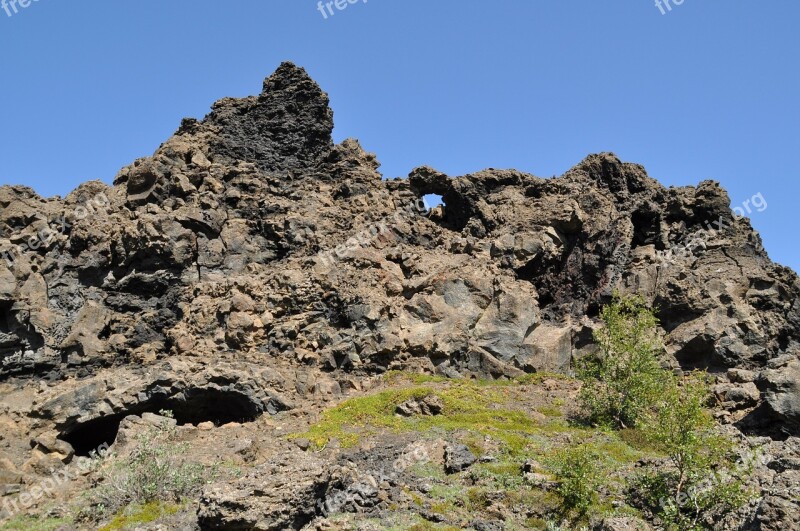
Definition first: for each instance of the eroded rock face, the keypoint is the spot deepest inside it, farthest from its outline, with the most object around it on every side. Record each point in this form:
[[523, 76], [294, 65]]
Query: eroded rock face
[[281, 494], [251, 234]]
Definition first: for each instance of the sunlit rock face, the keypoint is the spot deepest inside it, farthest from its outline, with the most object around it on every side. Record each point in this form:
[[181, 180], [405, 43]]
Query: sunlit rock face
[[251, 234]]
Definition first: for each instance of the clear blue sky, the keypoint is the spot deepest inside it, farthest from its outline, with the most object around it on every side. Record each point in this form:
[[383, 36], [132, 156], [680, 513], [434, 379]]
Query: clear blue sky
[[707, 91]]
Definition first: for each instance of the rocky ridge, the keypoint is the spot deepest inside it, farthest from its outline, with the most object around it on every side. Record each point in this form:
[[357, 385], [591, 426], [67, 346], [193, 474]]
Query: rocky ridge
[[251, 266]]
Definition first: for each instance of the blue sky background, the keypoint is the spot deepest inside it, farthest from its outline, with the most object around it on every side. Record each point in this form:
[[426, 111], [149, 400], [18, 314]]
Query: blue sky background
[[707, 91]]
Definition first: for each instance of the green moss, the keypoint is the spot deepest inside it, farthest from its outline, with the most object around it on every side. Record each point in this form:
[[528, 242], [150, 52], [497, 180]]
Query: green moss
[[537, 524], [30, 523], [140, 514], [396, 377], [477, 499], [343, 421], [416, 498], [504, 469], [637, 439], [616, 450], [560, 426], [428, 469], [551, 411], [468, 406], [542, 499], [446, 493], [445, 508]]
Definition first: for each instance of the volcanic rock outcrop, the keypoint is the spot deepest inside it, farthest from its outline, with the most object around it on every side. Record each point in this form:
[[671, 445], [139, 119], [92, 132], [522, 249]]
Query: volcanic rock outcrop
[[251, 257]]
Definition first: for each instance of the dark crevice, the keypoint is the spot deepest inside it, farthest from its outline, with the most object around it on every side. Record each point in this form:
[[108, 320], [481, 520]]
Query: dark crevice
[[763, 422], [5, 316], [646, 228], [190, 407], [698, 353]]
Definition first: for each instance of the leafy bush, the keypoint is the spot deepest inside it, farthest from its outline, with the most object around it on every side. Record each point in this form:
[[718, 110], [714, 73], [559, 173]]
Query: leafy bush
[[624, 387], [579, 471], [624, 380], [701, 485]]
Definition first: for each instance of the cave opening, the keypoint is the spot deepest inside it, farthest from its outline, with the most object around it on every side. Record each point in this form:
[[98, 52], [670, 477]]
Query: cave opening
[[193, 407]]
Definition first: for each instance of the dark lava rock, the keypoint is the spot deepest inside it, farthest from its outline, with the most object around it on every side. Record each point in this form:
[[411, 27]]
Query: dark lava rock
[[457, 458]]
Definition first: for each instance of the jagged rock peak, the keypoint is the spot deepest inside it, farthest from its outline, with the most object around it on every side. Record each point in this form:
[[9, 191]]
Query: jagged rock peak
[[288, 125], [290, 76]]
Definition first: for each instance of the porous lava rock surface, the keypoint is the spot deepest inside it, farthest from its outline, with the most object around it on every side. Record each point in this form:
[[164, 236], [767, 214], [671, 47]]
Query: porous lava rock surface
[[252, 259]]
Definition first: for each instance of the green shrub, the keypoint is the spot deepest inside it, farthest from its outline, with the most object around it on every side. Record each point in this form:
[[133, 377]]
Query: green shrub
[[580, 472], [702, 484], [624, 380], [624, 387], [31, 523]]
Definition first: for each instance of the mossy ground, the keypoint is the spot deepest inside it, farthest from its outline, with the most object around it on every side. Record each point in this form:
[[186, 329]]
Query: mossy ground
[[477, 406], [140, 514], [506, 422], [26, 523]]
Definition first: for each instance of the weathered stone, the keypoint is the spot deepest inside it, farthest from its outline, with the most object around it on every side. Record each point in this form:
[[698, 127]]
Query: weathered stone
[[781, 386], [428, 405], [281, 494], [457, 458]]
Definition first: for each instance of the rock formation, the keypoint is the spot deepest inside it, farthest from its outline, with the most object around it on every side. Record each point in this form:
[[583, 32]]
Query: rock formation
[[251, 262]]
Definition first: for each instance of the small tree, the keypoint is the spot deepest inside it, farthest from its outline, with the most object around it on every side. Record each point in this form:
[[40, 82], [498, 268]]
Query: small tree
[[682, 427], [623, 381], [701, 484]]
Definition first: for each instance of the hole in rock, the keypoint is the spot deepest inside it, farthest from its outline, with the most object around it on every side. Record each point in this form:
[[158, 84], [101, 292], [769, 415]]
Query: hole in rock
[[432, 200], [192, 407]]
